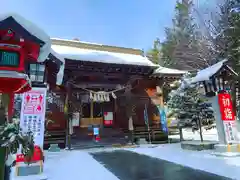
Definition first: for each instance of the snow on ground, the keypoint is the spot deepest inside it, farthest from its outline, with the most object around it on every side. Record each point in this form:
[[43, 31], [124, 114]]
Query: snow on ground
[[209, 135], [202, 160], [72, 165]]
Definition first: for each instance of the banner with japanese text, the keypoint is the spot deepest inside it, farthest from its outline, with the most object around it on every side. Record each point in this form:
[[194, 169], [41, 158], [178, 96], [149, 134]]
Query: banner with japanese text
[[228, 117], [32, 116], [163, 119]]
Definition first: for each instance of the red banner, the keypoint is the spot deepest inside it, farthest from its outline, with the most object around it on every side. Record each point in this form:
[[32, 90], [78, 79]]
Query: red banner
[[226, 107]]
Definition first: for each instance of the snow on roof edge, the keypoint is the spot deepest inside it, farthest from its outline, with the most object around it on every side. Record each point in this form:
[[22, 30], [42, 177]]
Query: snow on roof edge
[[80, 54], [207, 73], [34, 30], [60, 73], [76, 41], [164, 70]]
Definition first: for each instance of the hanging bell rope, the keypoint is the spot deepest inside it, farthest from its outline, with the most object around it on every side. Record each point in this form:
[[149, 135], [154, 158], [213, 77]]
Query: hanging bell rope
[[102, 96]]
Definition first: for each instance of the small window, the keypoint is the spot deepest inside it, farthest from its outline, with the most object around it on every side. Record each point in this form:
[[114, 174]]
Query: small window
[[37, 72], [9, 58]]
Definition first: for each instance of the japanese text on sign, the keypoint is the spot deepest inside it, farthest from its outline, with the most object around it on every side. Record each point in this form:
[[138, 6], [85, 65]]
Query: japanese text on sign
[[226, 109], [33, 114], [33, 103], [230, 131]]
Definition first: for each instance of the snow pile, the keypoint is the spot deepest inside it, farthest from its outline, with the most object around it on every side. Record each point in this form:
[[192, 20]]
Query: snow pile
[[61, 70], [34, 31], [202, 160], [80, 54]]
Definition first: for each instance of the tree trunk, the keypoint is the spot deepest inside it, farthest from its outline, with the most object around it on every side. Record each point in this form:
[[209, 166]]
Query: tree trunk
[[180, 132], [200, 127], [233, 94]]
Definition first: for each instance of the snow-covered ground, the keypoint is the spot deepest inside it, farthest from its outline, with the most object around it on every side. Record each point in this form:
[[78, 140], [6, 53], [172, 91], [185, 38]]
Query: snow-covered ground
[[73, 165], [202, 160], [81, 165], [209, 135]]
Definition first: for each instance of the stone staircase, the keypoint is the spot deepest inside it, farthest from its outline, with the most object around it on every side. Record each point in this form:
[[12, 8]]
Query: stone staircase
[[108, 137]]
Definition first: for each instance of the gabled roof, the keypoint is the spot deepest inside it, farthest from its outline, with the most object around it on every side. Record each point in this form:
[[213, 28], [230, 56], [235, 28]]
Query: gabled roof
[[207, 73], [28, 31]]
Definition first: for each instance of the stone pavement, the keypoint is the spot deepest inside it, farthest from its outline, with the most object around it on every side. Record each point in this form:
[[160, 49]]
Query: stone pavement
[[128, 165]]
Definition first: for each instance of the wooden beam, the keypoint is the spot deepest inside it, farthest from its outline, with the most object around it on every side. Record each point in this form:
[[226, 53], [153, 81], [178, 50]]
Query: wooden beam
[[89, 73], [107, 67]]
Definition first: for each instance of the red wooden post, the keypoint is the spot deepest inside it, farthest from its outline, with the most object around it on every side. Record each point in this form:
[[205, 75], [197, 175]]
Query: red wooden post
[[10, 106]]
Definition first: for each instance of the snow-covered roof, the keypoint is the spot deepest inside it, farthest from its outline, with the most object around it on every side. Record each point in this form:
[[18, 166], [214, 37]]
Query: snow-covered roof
[[80, 54], [164, 70], [33, 30], [25, 27], [206, 74]]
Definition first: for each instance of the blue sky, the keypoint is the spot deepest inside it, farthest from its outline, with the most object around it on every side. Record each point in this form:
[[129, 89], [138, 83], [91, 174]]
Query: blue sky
[[128, 23]]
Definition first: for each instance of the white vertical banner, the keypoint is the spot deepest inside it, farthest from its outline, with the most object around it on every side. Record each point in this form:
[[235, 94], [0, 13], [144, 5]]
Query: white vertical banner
[[33, 111], [231, 133]]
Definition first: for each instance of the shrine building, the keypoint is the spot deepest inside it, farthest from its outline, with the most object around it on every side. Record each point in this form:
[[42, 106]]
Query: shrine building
[[90, 86]]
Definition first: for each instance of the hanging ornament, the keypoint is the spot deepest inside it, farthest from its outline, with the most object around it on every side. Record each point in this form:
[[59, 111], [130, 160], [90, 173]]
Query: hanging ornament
[[104, 97], [101, 97], [98, 97], [95, 97], [107, 97], [114, 96], [91, 96]]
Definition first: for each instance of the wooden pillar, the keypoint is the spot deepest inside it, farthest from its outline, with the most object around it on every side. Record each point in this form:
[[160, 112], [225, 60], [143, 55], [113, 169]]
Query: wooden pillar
[[129, 112], [67, 117], [91, 110]]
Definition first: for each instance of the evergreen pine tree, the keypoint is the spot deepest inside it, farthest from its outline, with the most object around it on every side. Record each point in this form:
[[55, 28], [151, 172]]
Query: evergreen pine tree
[[183, 48], [189, 106], [229, 24], [154, 54]]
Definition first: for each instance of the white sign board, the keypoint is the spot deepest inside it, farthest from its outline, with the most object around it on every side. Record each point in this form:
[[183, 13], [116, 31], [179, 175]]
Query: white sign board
[[108, 118], [230, 131], [33, 113]]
